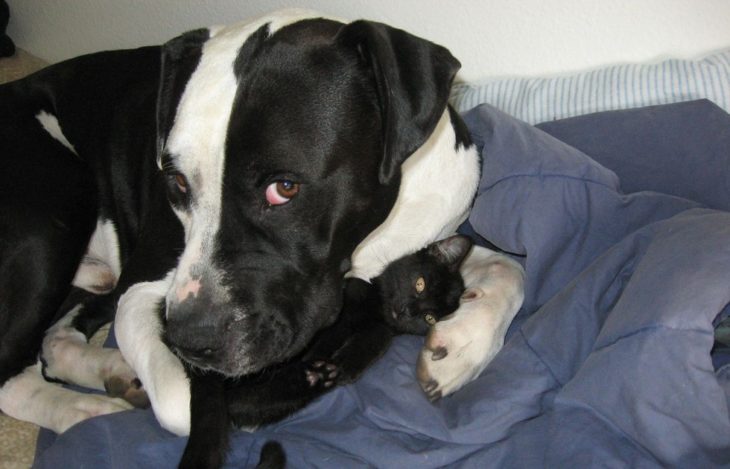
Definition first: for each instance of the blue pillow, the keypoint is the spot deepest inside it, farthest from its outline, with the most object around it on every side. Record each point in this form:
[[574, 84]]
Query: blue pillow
[[679, 149], [551, 204]]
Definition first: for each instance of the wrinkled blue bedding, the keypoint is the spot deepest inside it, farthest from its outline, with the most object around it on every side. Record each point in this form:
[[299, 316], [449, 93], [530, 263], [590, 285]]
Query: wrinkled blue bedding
[[609, 361]]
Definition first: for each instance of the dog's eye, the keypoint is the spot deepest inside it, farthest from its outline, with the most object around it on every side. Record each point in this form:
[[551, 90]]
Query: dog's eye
[[281, 192], [181, 183], [177, 181]]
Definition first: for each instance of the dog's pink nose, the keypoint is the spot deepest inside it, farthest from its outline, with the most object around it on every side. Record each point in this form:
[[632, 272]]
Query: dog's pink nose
[[191, 287]]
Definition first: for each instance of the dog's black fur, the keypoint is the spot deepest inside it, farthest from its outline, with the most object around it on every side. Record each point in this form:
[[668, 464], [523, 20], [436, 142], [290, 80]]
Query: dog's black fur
[[7, 47], [51, 198], [335, 108]]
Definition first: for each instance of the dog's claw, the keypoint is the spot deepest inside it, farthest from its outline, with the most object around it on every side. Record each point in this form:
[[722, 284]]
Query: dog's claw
[[430, 386], [431, 389], [439, 353], [322, 373]]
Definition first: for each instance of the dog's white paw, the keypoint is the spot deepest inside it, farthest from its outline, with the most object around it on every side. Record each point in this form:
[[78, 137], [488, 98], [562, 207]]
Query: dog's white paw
[[70, 358], [84, 406], [455, 352], [28, 396]]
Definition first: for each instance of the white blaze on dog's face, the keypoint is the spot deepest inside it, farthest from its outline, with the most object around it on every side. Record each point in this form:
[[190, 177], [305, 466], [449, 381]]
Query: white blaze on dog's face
[[197, 140], [280, 141]]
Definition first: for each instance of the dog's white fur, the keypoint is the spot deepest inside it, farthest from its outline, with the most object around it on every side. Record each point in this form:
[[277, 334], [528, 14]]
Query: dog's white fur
[[69, 357], [437, 187], [138, 331], [50, 124], [29, 397], [101, 266]]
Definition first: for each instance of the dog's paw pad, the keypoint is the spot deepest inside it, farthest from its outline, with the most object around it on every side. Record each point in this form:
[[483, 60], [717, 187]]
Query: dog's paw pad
[[321, 373]]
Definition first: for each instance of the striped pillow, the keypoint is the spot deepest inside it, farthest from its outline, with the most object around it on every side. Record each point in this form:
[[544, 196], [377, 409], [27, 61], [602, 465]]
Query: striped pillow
[[535, 100]]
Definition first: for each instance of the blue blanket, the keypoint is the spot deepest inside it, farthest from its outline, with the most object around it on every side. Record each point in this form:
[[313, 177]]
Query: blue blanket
[[608, 363]]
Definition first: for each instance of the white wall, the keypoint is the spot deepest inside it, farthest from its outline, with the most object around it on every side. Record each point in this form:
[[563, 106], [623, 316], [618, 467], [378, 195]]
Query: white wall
[[490, 37]]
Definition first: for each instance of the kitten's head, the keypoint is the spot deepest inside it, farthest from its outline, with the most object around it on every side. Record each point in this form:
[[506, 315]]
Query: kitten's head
[[421, 288]]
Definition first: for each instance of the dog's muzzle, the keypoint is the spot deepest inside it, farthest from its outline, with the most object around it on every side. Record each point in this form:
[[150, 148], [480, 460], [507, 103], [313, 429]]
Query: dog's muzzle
[[238, 334], [193, 332]]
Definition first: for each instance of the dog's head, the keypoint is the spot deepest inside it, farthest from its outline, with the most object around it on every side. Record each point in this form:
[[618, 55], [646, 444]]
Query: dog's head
[[281, 142]]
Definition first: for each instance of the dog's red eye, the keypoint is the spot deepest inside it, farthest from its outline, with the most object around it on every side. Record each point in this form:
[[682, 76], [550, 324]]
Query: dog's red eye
[[177, 181], [181, 182], [281, 192]]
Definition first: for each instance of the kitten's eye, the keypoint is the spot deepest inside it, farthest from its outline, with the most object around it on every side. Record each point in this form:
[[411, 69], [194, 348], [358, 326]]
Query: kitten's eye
[[420, 285], [430, 319], [281, 192]]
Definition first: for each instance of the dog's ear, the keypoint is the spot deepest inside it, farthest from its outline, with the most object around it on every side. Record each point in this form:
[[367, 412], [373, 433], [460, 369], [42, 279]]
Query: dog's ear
[[180, 57], [413, 78]]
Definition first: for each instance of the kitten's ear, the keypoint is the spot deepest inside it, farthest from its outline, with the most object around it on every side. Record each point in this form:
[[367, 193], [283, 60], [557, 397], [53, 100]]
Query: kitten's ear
[[452, 250]]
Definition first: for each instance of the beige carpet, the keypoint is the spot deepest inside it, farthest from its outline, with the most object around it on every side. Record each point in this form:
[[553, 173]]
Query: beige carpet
[[17, 443], [19, 65]]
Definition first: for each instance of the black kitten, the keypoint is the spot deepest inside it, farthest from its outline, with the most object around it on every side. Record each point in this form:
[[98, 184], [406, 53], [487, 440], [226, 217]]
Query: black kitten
[[408, 297], [417, 290]]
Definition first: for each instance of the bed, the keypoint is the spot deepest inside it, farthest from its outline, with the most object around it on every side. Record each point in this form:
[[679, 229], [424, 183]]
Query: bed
[[612, 189]]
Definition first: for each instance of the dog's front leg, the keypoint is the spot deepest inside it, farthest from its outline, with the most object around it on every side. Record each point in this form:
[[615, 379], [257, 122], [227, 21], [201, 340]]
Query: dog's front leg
[[210, 424], [28, 396], [138, 330], [69, 357], [459, 347]]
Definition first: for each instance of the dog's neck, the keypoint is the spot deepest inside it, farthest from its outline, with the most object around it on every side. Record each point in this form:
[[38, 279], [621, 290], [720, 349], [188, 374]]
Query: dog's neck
[[437, 189]]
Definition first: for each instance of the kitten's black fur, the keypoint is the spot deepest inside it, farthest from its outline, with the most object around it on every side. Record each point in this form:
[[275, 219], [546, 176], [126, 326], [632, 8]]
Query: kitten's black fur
[[417, 290], [410, 295]]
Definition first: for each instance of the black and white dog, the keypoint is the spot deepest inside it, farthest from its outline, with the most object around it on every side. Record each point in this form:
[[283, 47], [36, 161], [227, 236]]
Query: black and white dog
[[232, 179]]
